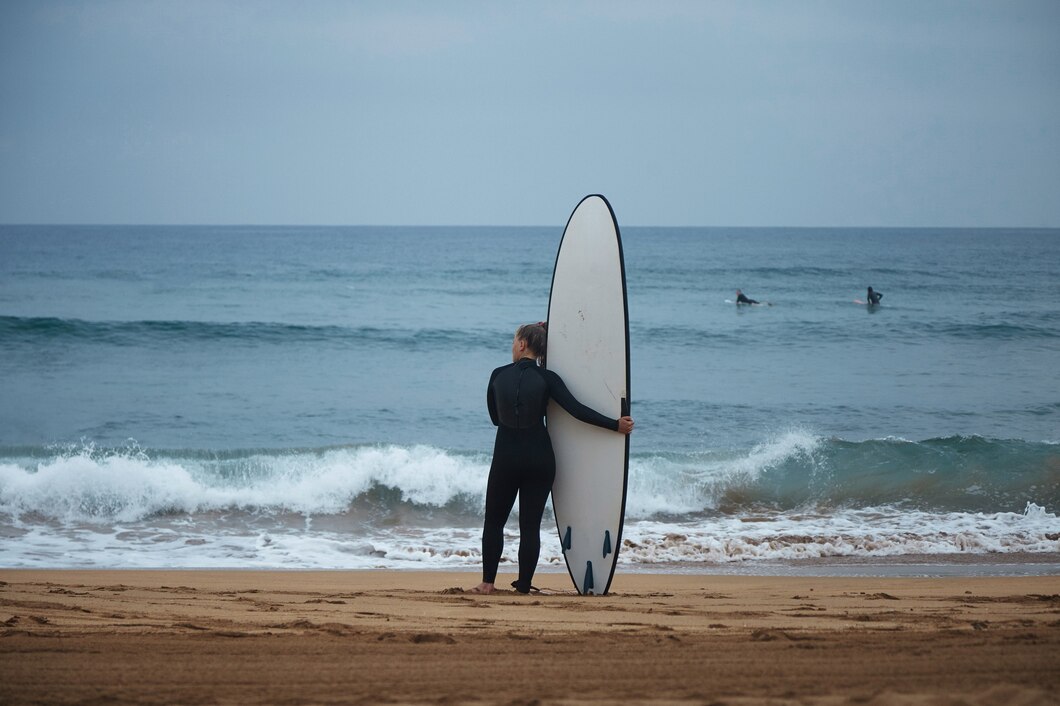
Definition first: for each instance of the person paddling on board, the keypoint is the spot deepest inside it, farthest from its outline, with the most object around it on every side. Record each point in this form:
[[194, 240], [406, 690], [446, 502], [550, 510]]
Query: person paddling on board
[[874, 297], [523, 460], [741, 298]]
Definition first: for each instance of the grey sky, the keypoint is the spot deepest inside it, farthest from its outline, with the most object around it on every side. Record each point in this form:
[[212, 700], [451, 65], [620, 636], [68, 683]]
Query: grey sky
[[685, 113]]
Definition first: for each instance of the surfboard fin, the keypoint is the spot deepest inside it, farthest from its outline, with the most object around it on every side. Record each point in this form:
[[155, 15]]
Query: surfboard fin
[[588, 585], [607, 542], [566, 540]]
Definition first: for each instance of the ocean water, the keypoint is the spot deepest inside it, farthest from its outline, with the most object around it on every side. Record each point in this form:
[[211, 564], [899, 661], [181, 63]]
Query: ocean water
[[303, 397]]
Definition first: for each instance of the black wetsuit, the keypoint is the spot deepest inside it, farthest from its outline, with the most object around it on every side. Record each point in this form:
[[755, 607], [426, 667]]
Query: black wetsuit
[[875, 297], [523, 461], [742, 299]]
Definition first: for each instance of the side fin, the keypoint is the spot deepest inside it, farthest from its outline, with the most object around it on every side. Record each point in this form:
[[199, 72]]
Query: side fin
[[566, 539], [607, 542]]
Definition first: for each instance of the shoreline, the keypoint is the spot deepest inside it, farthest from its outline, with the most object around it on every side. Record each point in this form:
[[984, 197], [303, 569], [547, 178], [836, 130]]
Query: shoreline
[[417, 637], [902, 565]]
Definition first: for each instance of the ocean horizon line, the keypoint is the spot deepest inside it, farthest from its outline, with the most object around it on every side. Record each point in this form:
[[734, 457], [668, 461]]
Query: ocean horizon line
[[557, 224]]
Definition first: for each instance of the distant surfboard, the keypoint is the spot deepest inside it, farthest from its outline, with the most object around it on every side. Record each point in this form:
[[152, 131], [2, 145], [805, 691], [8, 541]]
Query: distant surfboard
[[730, 301], [588, 346]]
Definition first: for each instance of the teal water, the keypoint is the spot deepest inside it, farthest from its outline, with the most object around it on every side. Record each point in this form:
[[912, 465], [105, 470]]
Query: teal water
[[160, 378]]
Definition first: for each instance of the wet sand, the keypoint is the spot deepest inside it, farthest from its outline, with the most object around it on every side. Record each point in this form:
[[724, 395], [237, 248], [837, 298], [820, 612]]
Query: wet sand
[[187, 637]]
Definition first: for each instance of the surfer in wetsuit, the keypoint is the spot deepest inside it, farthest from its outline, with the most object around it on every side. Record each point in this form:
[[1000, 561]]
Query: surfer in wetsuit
[[741, 298], [523, 460], [874, 297]]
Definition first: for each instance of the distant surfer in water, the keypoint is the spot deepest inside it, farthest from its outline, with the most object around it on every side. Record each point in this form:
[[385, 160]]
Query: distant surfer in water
[[874, 297], [741, 298], [523, 461]]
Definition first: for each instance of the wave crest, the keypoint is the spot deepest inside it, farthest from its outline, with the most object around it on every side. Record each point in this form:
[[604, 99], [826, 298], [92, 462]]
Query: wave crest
[[17, 329], [88, 485], [792, 472]]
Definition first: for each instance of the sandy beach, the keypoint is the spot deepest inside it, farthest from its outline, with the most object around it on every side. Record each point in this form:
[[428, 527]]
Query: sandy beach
[[115, 637]]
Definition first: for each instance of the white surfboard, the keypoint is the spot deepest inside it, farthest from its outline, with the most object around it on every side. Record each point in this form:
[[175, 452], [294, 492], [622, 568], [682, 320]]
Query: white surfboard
[[588, 346]]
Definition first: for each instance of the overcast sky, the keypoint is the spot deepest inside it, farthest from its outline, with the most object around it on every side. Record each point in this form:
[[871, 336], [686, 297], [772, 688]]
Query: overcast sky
[[878, 113]]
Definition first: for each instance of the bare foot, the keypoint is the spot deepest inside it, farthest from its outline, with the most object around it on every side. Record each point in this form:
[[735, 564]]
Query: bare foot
[[483, 588]]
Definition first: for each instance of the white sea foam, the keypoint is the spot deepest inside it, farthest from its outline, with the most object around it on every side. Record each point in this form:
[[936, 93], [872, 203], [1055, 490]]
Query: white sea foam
[[868, 533], [302, 509], [872, 532], [85, 485], [790, 444], [694, 483], [120, 487], [80, 487]]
